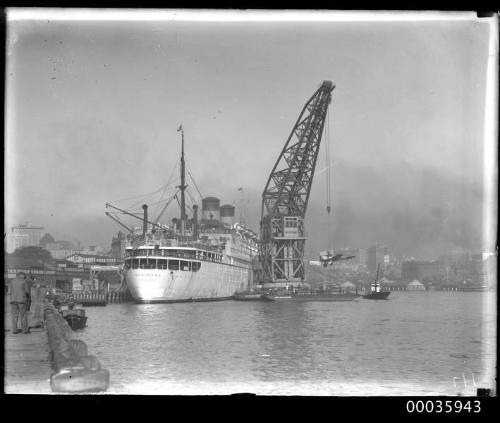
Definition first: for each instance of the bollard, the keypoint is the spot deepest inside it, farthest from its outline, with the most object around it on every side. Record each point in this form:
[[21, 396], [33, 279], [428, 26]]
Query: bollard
[[75, 370], [80, 381]]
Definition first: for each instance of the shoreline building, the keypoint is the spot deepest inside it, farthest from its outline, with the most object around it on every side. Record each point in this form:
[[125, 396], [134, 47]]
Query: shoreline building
[[422, 270], [88, 260], [415, 286], [62, 249], [23, 236], [358, 253], [375, 255], [118, 245]]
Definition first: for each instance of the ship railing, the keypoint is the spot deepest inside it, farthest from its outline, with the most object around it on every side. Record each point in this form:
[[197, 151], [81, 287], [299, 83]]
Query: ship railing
[[175, 243]]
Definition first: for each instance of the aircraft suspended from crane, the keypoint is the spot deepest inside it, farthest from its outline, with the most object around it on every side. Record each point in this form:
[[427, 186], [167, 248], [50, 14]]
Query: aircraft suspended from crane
[[285, 197], [328, 258]]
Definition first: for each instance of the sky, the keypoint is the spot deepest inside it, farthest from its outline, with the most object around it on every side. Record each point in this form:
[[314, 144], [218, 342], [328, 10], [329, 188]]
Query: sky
[[93, 108]]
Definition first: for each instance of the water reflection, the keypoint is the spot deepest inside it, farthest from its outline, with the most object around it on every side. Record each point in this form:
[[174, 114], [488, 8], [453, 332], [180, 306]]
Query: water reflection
[[284, 335]]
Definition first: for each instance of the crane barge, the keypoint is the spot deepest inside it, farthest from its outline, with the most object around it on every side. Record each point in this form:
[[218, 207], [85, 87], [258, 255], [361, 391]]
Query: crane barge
[[286, 195], [281, 270]]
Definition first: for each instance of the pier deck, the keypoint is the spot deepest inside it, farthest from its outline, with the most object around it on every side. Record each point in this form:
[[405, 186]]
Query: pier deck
[[27, 360]]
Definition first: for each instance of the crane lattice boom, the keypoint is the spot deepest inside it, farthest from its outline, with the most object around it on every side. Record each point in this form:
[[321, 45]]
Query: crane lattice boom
[[287, 189], [285, 197]]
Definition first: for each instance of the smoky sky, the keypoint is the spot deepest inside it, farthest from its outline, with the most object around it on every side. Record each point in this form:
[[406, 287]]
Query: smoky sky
[[93, 110]]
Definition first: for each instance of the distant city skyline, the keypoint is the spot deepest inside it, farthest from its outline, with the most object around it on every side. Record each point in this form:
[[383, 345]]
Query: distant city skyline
[[93, 108]]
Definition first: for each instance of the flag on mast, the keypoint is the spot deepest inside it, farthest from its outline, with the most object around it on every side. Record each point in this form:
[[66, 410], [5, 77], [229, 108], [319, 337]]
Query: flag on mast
[[180, 128], [240, 189]]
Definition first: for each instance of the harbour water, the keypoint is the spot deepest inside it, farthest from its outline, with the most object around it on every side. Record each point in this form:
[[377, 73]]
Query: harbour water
[[415, 343]]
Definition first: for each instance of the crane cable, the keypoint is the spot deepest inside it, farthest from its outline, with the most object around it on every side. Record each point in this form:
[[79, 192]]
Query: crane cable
[[328, 181], [171, 180], [194, 182]]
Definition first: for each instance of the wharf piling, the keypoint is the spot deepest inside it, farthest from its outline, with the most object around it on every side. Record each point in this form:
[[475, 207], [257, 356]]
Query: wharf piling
[[118, 297], [75, 370], [108, 297]]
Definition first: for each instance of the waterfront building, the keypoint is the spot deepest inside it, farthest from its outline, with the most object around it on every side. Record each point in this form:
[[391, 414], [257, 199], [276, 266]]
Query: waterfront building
[[62, 249], [458, 266], [91, 259], [118, 245], [415, 286], [348, 286], [375, 255], [23, 236]]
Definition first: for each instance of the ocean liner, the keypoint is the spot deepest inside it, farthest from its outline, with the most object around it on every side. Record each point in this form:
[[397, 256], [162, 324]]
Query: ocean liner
[[191, 259]]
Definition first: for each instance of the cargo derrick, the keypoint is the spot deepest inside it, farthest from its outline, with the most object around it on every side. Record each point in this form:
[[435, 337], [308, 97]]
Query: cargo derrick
[[285, 197]]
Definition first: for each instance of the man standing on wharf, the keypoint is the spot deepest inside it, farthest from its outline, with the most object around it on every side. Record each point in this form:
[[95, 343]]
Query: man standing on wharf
[[19, 294]]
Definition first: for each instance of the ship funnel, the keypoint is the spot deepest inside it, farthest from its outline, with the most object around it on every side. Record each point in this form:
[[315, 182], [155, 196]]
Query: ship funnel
[[145, 221], [195, 222]]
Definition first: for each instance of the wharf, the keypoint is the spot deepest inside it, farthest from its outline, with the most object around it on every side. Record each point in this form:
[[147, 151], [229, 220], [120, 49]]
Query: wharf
[[27, 363]]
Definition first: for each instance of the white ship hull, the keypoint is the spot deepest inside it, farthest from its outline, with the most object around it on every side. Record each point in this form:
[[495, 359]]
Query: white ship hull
[[214, 281]]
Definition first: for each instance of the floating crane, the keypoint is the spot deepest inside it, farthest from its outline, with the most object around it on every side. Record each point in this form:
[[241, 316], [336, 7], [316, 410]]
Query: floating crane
[[285, 197]]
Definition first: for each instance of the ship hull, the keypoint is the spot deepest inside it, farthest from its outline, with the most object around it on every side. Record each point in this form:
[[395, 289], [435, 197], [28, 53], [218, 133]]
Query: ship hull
[[213, 282], [188, 300], [377, 295]]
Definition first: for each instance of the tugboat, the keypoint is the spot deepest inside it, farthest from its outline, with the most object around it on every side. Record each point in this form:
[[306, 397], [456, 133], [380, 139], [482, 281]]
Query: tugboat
[[376, 293], [74, 316]]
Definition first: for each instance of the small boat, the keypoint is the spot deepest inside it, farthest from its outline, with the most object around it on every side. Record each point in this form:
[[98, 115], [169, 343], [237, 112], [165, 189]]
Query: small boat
[[376, 293], [248, 296], [74, 316], [381, 295], [92, 302]]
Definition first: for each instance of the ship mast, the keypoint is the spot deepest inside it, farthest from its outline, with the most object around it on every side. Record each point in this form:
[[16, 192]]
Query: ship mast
[[183, 185]]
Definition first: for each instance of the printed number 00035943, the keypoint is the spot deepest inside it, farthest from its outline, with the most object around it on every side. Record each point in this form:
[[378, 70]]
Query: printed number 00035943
[[438, 406]]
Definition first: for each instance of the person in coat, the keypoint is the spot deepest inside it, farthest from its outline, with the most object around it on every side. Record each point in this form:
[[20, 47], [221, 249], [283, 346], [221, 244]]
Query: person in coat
[[19, 295]]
